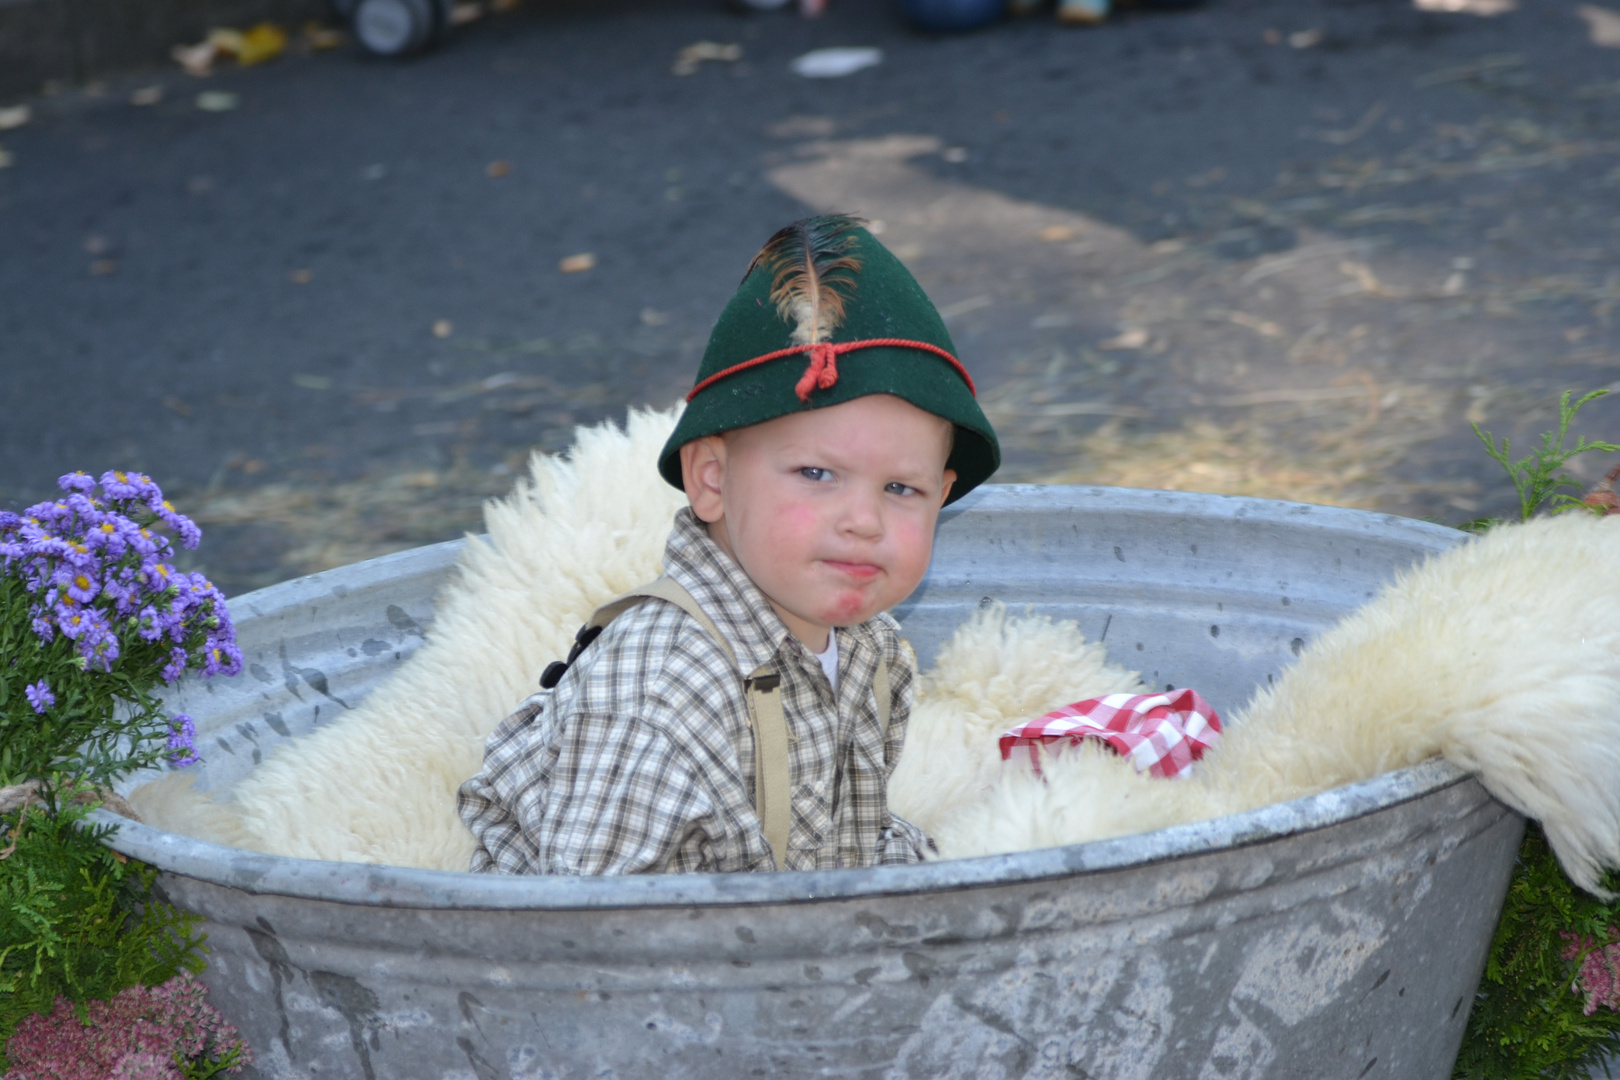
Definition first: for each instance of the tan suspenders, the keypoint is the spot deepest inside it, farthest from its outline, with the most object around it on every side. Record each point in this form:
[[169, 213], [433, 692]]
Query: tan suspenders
[[772, 786]]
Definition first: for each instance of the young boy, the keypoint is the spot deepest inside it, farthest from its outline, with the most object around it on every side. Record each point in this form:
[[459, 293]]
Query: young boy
[[745, 711]]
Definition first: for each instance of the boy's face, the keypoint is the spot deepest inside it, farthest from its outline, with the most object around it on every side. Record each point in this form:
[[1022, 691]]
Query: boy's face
[[829, 512]]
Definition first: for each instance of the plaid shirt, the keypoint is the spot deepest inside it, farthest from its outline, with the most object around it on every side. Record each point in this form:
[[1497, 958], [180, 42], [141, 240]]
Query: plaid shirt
[[642, 759]]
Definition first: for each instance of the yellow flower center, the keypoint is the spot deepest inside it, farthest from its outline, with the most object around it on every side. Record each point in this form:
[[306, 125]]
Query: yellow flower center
[[82, 582]]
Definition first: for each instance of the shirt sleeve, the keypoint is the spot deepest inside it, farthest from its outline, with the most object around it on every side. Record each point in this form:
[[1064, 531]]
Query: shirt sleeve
[[903, 843], [624, 798], [501, 846]]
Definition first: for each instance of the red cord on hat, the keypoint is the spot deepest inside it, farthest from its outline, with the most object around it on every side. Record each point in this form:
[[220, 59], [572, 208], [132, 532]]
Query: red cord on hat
[[822, 371], [821, 374]]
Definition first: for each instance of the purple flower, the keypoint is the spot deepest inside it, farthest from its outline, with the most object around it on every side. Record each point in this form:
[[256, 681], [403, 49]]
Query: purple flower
[[183, 741], [39, 695], [76, 481], [176, 666]]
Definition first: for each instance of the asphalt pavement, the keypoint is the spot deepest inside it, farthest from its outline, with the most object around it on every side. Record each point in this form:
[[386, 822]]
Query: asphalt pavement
[[1278, 247]]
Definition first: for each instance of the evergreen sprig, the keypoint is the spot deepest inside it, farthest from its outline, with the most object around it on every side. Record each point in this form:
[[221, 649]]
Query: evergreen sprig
[[1538, 476]]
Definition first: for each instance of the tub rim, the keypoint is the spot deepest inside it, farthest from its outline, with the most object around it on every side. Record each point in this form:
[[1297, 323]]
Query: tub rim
[[375, 885]]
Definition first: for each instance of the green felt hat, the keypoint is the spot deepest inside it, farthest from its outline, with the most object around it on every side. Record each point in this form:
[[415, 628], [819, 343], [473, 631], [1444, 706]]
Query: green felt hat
[[824, 315]]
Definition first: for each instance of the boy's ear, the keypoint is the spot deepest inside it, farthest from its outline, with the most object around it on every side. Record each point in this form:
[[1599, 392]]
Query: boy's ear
[[703, 474], [950, 481]]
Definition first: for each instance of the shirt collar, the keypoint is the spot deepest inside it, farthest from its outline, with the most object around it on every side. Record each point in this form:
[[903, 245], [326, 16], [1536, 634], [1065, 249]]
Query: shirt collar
[[729, 597]]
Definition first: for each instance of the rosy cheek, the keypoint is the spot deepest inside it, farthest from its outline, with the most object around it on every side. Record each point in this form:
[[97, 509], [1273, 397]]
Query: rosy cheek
[[798, 517]]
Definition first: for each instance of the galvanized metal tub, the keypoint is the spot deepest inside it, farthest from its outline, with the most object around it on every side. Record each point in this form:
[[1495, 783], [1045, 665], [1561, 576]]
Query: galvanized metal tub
[[1337, 935]]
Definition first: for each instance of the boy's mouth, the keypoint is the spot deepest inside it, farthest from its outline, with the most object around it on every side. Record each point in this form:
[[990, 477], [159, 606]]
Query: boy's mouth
[[860, 571]]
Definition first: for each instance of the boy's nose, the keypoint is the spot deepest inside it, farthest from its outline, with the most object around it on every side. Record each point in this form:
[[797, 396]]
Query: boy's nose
[[862, 515]]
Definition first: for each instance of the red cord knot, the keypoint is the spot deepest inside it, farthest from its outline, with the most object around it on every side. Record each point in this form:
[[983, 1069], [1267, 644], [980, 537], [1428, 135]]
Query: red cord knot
[[821, 373]]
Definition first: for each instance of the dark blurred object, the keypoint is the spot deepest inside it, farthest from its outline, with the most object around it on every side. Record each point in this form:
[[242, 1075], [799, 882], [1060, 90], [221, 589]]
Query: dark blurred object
[[395, 27], [944, 16]]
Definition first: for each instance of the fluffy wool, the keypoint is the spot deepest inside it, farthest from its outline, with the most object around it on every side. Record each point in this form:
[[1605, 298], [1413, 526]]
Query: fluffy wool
[[1502, 654], [994, 673], [379, 784]]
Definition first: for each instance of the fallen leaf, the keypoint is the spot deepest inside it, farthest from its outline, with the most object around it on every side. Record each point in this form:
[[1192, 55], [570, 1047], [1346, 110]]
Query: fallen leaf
[[1263, 327], [496, 169], [1603, 25], [1305, 39], [464, 13], [265, 41], [103, 267], [198, 60], [1134, 338], [96, 245], [1056, 234], [321, 38], [835, 63], [1085, 12], [15, 117], [654, 317], [146, 95], [301, 277], [217, 101], [689, 59], [442, 328], [225, 40], [1468, 7], [578, 264]]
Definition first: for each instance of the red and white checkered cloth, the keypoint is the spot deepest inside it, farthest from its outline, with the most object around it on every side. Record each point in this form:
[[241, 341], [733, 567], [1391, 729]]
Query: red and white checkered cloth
[[1162, 734]]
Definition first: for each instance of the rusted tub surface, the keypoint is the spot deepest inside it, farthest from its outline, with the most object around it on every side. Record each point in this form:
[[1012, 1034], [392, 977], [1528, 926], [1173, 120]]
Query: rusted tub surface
[[1340, 935]]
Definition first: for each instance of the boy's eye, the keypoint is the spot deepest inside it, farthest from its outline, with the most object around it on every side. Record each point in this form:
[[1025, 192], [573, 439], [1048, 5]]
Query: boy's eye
[[811, 472], [897, 488]]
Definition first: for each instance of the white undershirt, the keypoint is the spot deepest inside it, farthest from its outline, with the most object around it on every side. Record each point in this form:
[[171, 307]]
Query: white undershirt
[[829, 658]]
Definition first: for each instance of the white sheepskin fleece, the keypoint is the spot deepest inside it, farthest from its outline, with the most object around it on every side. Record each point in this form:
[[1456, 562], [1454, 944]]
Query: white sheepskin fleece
[[379, 785], [1502, 654]]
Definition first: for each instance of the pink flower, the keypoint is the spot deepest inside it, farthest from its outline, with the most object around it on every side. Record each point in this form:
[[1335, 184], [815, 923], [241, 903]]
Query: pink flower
[[144, 1066], [1599, 976], [139, 1035]]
